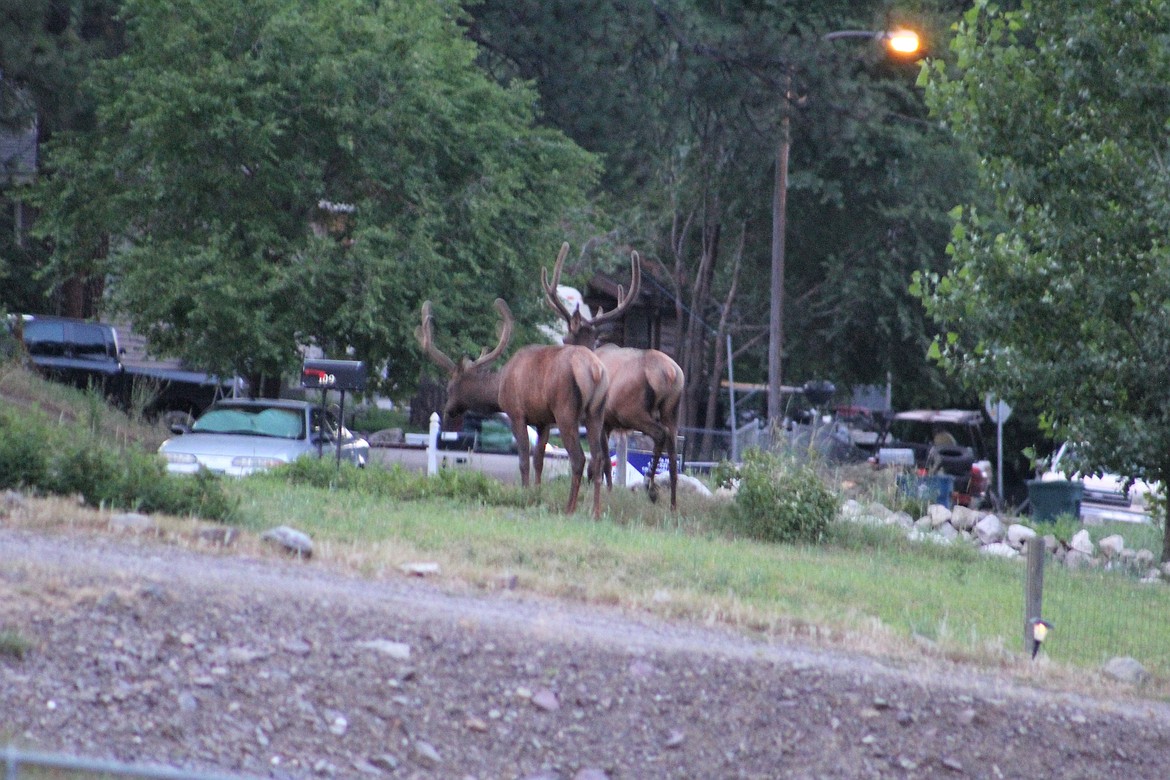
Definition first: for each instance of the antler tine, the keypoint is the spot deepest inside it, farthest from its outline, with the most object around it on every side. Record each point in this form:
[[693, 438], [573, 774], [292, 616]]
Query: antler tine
[[624, 299], [550, 289], [506, 322], [426, 339]]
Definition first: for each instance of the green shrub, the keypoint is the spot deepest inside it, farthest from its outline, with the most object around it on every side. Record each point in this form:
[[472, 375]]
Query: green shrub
[[93, 471], [398, 483], [13, 644], [131, 479], [782, 500], [25, 441]]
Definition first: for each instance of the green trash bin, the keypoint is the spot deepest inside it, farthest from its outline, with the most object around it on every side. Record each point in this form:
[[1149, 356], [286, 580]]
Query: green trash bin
[[1052, 499]]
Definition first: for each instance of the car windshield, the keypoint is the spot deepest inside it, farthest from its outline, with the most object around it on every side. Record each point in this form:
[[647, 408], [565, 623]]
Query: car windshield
[[258, 421], [939, 434]]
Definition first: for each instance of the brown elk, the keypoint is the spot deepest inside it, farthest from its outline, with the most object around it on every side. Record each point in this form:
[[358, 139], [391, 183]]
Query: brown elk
[[645, 385], [539, 386]]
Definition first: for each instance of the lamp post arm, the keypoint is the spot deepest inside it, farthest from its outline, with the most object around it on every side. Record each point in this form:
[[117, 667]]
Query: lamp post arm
[[872, 35]]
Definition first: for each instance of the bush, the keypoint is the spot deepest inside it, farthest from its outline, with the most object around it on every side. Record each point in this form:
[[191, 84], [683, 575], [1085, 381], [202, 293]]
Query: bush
[[398, 483], [24, 446], [782, 500], [69, 460]]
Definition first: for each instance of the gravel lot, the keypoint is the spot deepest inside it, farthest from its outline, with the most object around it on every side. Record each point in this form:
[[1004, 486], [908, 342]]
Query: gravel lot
[[248, 664]]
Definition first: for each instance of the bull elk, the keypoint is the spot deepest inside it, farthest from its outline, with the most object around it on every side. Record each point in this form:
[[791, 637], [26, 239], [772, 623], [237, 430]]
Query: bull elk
[[538, 386], [645, 385]]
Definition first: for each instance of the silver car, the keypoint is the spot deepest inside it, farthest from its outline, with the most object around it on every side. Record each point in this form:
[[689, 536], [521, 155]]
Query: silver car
[[237, 437]]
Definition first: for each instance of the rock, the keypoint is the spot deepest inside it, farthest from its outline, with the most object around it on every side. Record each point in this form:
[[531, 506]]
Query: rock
[[419, 569], [424, 754], [1001, 549], [946, 532], [1081, 542], [901, 519], [296, 542], [989, 530], [964, 518], [590, 773], [1125, 669], [938, 514], [1018, 535], [1112, 546], [396, 650], [384, 761], [687, 484], [546, 700]]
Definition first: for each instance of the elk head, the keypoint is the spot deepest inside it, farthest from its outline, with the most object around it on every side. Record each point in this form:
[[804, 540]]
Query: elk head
[[469, 385], [582, 331]]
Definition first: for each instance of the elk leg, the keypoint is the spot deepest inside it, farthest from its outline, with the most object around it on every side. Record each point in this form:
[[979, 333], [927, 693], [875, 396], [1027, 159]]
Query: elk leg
[[607, 465], [538, 455], [651, 488], [520, 432], [576, 463], [598, 461]]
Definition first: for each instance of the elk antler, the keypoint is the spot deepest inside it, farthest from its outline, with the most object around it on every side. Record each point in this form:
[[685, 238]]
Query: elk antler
[[506, 322], [426, 339], [550, 289], [623, 300]]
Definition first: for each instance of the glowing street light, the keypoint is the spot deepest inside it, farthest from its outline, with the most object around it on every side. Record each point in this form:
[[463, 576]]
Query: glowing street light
[[902, 43]]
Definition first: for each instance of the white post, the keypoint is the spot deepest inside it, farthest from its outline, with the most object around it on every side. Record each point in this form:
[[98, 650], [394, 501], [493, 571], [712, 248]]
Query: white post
[[433, 446]]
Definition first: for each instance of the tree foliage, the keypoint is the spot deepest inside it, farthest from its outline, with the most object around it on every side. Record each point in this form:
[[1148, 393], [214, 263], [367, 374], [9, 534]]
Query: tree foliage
[[47, 49], [683, 101], [276, 173], [1058, 295]]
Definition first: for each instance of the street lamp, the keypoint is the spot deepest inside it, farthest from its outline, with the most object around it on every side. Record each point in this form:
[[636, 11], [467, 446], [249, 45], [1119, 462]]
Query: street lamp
[[901, 42]]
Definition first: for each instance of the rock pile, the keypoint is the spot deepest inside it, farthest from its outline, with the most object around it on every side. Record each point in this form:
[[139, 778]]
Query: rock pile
[[1008, 538]]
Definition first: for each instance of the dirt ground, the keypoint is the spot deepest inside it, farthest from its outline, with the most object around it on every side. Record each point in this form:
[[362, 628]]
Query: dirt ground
[[245, 663]]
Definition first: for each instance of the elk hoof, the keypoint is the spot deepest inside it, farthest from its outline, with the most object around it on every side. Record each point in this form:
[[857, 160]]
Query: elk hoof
[[652, 491]]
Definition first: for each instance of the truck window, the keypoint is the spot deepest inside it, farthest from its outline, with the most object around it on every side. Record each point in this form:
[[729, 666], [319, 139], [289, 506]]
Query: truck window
[[46, 339], [88, 342]]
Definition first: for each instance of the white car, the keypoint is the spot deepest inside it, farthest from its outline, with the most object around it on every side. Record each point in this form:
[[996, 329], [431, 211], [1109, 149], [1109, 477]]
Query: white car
[[237, 437], [1105, 497]]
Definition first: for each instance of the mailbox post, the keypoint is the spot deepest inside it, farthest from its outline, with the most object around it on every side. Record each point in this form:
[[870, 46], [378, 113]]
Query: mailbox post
[[340, 375]]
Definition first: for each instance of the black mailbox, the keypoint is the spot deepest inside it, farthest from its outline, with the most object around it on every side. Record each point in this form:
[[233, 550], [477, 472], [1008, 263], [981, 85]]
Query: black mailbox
[[334, 374]]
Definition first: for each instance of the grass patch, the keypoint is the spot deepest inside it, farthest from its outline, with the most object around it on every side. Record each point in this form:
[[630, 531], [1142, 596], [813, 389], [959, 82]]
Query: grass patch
[[13, 644]]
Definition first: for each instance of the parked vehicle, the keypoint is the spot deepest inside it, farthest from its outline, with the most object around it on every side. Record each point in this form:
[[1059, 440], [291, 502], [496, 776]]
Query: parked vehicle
[[87, 354], [237, 437], [491, 434], [1106, 497], [941, 441]]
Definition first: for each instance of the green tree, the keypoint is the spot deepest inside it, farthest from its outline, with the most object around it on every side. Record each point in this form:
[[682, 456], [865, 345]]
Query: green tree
[[1058, 295], [272, 173], [682, 100], [47, 48]]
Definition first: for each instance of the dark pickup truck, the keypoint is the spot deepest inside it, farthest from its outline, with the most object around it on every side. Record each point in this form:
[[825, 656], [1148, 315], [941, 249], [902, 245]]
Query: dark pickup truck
[[87, 354]]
